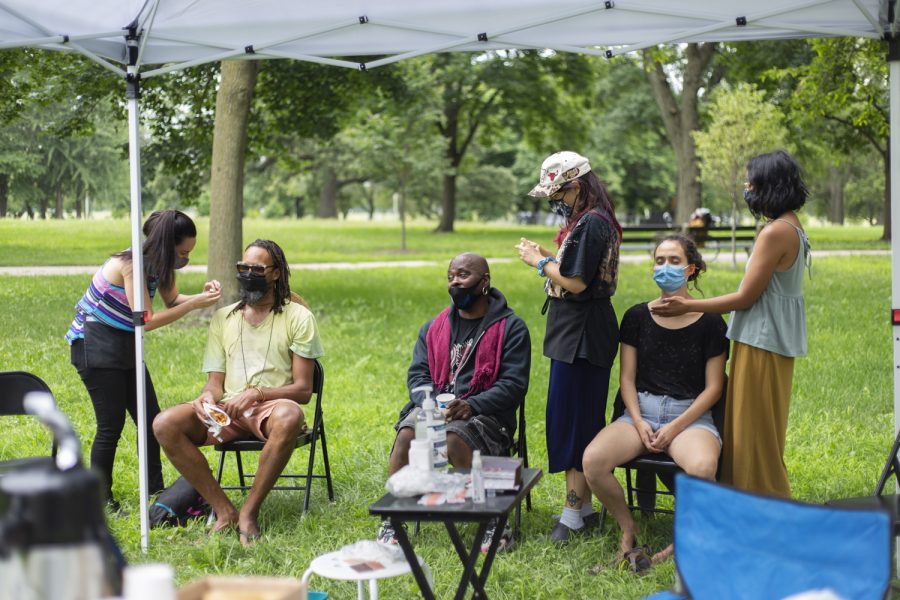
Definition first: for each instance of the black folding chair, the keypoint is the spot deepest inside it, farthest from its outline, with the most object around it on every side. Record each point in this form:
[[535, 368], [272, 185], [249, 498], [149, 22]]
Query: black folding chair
[[519, 447], [641, 492], [14, 386], [878, 499], [311, 436]]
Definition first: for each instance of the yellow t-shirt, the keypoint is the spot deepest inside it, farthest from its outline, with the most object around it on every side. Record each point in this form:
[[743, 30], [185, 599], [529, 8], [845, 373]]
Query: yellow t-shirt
[[268, 364]]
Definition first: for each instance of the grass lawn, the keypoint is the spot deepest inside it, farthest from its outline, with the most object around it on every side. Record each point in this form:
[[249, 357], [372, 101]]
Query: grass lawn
[[841, 422], [71, 243]]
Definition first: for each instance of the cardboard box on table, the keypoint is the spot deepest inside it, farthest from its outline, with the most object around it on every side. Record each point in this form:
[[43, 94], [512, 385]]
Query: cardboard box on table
[[244, 588]]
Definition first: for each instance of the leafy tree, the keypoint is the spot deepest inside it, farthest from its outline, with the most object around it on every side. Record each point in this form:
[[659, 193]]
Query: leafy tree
[[843, 91], [686, 68], [742, 124], [541, 95]]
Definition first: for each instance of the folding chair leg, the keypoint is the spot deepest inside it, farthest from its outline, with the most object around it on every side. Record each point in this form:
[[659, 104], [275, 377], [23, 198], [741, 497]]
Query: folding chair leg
[[240, 466], [327, 464], [602, 518], [221, 467], [309, 469]]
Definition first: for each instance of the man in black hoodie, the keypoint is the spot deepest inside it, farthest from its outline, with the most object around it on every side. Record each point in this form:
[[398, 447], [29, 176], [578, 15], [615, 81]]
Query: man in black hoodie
[[478, 350]]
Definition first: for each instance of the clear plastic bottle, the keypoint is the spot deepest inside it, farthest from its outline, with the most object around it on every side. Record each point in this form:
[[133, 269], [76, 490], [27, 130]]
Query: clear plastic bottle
[[478, 494], [431, 421]]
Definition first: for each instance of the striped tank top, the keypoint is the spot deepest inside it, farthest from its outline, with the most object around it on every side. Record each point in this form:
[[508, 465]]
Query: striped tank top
[[106, 303]]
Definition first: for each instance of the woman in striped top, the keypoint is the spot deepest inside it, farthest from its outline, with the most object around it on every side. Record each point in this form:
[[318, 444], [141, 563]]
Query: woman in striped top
[[102, 334]]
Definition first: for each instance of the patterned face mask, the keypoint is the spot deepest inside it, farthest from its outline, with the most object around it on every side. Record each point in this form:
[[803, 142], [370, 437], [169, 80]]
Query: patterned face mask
[[561, 208]]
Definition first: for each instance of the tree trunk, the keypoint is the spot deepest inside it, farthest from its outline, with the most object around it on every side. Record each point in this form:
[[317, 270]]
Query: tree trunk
[[448, 197], [4, 194], [681, 121], [42, 209], [298, 206], [227, 177], [328, 195], [79, 204], [886, 211], [58, 210], [837, 179]]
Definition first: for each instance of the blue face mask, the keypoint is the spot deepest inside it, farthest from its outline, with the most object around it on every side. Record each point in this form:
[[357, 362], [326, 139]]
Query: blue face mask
[[669, 278]]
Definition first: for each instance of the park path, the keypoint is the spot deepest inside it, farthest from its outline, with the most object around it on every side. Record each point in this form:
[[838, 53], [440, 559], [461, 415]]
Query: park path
[[722, 257]]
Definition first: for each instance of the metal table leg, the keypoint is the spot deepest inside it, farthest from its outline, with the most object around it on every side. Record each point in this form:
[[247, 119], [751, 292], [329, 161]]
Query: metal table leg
[[410, 555]]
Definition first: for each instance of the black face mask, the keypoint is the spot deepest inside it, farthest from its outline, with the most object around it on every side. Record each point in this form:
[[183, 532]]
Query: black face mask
[[180, 263], [561, 208], [464, 297], [252, 283], [749, 196]]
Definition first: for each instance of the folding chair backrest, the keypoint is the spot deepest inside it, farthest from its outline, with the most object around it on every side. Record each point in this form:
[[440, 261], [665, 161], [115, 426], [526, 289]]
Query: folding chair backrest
[[14, 385], [733, 544]]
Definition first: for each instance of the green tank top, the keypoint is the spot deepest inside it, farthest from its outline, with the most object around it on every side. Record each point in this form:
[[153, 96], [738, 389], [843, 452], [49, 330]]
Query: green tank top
[[777, 320]]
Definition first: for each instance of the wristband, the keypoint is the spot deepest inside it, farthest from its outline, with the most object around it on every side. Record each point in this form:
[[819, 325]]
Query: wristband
[[543, 263]]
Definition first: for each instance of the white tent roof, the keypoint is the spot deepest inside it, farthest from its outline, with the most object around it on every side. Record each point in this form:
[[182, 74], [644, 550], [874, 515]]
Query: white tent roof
[[199, 31]]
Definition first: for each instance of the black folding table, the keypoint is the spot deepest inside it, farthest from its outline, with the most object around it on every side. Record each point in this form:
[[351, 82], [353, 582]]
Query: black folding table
[[399, 510]]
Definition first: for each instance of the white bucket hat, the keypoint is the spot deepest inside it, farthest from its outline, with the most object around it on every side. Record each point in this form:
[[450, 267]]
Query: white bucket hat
[[557, 170]]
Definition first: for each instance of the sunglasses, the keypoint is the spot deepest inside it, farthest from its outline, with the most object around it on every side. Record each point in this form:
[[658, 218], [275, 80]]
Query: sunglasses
[[255, 269], [558, 194]]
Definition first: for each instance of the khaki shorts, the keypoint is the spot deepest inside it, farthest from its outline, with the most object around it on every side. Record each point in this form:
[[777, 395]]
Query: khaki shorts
[[249, 427]]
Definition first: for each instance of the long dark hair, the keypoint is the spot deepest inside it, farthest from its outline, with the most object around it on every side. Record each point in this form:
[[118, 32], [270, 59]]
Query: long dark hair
[[282, 291], [163, 230], [691, 252], [777, 184], [592, 195]]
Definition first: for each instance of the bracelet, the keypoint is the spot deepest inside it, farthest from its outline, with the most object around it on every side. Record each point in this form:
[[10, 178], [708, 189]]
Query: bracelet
[[262, 396], [543, 263]]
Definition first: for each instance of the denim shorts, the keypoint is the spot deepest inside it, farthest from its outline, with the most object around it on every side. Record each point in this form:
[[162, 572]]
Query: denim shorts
[[660, 410]]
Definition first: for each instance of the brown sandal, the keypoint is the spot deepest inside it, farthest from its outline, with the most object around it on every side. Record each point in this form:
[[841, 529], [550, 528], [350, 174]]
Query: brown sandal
[[637, 560]]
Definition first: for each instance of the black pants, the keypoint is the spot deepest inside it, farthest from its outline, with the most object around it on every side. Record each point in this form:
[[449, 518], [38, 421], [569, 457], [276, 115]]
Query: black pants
[[113, 393]]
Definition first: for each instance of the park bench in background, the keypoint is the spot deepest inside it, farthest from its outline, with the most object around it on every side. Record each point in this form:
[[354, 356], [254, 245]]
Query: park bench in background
[[715, 238]]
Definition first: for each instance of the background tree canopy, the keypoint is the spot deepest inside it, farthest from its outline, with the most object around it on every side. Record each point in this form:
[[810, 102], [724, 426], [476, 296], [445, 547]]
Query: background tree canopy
[[456, 136]]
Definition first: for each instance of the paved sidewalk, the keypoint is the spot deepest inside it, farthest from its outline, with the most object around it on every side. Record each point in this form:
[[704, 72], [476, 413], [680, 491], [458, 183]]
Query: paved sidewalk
[[723, 257]]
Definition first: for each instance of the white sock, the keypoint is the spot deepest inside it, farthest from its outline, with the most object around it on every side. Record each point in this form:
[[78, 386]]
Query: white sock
[[587, 509], [571, 518]]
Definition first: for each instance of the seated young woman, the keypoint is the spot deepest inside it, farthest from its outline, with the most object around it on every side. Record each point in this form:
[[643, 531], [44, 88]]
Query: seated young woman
[[672, 371]]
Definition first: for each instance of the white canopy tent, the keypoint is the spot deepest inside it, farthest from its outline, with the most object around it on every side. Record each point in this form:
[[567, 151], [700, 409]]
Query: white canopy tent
[[136, 40]]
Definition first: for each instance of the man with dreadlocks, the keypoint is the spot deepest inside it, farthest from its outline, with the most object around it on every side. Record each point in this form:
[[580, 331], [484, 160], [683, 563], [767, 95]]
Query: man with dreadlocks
[[259, 361]]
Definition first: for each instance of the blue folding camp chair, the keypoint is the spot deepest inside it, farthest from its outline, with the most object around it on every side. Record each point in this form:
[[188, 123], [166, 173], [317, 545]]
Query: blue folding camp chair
[[733, 544]]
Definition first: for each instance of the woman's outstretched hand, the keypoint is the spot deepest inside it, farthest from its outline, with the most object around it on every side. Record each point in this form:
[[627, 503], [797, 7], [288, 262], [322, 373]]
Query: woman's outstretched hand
[[669, 307], [529, 252]]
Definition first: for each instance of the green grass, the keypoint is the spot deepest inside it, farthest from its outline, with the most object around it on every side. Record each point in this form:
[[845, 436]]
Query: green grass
[[25, 243], [841, 422]]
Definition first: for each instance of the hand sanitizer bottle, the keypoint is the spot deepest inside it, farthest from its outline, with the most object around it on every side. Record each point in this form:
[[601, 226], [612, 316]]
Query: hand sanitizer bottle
[[478, 495], [436, 427]]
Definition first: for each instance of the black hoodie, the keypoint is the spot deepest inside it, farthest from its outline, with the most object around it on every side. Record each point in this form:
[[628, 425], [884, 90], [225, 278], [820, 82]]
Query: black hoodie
[[508, 392]]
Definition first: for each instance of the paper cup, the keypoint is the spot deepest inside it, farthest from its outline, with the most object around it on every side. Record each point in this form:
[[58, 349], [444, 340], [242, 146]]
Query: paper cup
[[444, 399]]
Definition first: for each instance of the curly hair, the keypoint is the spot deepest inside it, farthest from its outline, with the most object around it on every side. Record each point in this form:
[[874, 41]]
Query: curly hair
[[777, 185], [691, 253], [282, 290]]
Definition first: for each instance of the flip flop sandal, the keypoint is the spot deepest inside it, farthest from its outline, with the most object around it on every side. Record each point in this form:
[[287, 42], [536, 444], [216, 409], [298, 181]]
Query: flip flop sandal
[[250, 537], [637, 560]]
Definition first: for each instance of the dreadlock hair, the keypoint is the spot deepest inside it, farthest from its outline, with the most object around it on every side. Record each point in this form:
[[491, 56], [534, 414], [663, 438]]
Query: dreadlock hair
[[282, 291], [691, 253], [592, 195], [777, 184], [163, 231]]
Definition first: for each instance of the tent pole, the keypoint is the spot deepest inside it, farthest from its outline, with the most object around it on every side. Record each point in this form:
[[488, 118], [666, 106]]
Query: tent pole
[[894, 156], [137, 261]]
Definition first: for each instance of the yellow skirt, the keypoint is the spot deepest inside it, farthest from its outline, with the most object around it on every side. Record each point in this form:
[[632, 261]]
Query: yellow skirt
[[756, 415]]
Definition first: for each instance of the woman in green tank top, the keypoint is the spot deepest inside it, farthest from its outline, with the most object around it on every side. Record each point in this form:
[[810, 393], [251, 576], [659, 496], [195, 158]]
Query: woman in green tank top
[[767, 326]]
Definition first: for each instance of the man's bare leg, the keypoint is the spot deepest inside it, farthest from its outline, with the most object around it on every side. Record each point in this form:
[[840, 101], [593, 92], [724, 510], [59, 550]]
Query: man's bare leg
[[281, 428], [400, 453], [180, 432], [458, 451]]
